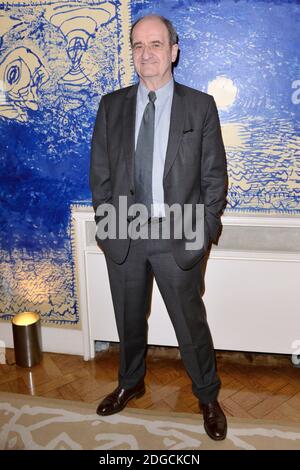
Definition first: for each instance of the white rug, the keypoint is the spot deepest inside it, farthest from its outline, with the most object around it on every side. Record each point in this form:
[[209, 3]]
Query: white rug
[[28, 422]]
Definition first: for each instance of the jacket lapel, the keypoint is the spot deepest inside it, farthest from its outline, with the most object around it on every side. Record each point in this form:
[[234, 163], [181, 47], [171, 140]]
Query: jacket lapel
[[129, 131], [176, 127]]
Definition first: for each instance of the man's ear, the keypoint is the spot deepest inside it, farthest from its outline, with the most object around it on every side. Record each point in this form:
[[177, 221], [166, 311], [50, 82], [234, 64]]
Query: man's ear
[[174, 52]]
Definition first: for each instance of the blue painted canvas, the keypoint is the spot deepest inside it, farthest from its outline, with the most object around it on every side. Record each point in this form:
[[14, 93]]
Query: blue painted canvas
[[57, 58]]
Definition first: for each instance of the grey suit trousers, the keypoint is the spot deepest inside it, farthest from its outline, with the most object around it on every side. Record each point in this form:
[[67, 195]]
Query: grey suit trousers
[[131, 287]]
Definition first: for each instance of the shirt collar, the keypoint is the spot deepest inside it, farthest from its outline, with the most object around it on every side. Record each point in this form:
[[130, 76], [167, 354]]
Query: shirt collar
[[162, 92]]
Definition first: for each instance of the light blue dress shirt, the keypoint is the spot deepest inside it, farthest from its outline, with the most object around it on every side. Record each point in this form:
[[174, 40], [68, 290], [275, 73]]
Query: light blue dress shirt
[[163, 104]]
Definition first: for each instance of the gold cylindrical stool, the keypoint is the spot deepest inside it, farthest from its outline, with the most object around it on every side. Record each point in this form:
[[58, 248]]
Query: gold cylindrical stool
[[27, 339]]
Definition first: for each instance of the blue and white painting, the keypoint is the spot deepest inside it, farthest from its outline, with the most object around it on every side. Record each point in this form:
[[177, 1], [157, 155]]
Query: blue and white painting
[[57, 58], [246, 54]]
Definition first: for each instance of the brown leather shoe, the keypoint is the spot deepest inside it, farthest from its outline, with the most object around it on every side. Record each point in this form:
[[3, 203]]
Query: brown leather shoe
[[118, 399], [215, 423]]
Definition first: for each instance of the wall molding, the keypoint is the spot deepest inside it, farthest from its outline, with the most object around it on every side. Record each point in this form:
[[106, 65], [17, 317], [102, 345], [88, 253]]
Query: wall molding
[[58, 340]]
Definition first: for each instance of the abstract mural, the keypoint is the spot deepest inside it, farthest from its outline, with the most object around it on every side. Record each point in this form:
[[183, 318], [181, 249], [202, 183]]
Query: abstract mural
[[57, 58], [246, 54]]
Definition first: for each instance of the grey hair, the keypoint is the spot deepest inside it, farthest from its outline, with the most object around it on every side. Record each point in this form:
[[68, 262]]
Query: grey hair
[[173, 36]]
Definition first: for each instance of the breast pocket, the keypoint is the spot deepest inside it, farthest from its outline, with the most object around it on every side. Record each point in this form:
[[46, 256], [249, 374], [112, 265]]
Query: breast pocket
[[191, 145], [191, 133]]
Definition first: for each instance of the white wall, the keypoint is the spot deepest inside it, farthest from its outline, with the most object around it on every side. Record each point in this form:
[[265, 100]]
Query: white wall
[[252, 287], [252, 291]]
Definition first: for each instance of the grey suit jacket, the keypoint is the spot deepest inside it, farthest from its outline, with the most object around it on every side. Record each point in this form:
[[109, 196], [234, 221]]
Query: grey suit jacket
[[195, 167]]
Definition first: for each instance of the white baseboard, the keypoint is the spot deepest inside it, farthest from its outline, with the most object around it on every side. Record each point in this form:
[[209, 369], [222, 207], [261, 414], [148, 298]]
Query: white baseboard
[[58, 340]]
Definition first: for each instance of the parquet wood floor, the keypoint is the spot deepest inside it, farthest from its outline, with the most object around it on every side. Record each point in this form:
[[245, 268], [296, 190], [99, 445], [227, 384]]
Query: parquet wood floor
[[253, 386]]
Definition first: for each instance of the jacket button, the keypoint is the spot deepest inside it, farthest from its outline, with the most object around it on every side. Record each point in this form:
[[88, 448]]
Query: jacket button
[[132, 192]]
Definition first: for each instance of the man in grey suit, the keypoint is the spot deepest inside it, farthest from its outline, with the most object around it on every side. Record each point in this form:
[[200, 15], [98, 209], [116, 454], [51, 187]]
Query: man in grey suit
[[159, 143]]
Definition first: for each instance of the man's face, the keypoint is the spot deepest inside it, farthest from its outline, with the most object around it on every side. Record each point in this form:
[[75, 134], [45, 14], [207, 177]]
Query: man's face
[[152, 53]]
